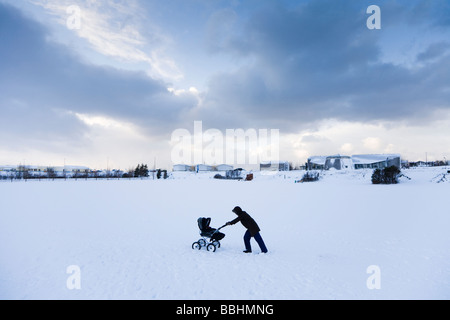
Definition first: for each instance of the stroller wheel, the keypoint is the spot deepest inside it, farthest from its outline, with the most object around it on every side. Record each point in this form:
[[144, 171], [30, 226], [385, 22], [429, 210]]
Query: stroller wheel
[[202, 242], [216, 243], [211, 247], [196, 245]]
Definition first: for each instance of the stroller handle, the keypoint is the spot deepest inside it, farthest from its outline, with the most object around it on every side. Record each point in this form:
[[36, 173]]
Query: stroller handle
[[222, 227]]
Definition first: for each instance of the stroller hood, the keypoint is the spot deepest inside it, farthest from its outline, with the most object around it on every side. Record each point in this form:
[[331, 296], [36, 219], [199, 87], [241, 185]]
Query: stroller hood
[[207, 231], [203, 223]]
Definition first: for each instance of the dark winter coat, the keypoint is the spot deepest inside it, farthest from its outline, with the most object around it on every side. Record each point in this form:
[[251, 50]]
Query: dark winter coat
[[247, 222]]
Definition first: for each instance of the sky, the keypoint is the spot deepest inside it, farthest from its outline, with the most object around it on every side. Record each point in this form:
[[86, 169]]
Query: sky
[[107, 83]]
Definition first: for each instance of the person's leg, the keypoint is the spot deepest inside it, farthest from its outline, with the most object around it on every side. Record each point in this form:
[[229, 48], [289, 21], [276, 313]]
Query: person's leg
[[260, 242], [247, 237]]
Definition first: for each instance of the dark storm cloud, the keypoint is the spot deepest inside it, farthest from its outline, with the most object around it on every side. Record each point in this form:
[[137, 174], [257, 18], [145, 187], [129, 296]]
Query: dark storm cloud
[[319, 61], [298, 64], [42, 84]]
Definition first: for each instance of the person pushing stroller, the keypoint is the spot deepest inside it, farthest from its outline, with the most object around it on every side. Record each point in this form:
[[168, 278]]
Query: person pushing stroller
[[252, 229]]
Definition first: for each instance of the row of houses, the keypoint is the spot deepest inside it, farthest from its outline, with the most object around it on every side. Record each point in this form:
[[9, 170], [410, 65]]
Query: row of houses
[[264, 166], [362, 161], [338, 162], [45, 169], [55, 171], [436, 163]]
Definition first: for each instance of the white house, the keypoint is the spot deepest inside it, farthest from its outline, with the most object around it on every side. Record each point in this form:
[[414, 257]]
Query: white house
[[274, 166], [181, 167], [203, 168]]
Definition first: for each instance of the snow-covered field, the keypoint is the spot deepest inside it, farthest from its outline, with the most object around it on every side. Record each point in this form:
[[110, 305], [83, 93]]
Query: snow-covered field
[[132, 239]]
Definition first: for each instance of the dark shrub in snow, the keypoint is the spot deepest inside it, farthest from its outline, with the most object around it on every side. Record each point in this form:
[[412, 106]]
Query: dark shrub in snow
[[310, 176], [387, 175]]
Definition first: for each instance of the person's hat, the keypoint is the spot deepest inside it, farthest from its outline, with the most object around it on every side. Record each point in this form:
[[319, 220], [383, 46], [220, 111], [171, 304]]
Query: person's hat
[[237, 210]]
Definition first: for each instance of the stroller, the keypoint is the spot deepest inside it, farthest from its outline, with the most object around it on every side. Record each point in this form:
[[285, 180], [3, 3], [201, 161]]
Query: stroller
[[206, 232]]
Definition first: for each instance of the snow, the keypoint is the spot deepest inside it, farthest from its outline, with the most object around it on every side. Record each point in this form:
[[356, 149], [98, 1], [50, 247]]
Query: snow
[[131, 239]]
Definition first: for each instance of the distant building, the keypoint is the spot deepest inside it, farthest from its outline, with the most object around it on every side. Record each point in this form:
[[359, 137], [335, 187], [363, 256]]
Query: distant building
[[45, 171], [203, 168], [316, 163], [181, 168], [376, 161], [8, 168], [338, 162], [70, 171], [362, 161], [8, 171], [274, 166]]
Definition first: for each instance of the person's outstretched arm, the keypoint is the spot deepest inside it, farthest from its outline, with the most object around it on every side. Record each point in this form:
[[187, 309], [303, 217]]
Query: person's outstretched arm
[[229, 223]]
